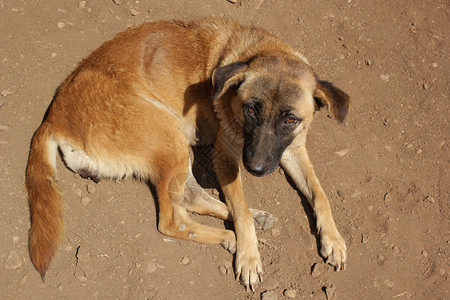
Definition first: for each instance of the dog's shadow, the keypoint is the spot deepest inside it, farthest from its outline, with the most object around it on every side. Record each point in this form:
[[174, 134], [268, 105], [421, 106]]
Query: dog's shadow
[[308, 211]]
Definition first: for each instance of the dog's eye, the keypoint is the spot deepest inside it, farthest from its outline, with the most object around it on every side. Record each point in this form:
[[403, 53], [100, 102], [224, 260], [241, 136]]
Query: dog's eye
[[250, 110], [290, 121]]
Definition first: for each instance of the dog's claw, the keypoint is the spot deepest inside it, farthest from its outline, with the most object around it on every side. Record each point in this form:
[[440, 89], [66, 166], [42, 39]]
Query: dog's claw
[[249, 270]]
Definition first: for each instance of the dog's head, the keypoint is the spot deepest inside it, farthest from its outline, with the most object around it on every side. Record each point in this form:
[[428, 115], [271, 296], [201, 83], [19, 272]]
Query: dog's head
[[275, 97]]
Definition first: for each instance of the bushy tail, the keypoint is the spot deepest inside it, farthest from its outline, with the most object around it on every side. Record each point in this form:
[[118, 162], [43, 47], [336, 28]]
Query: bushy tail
[[44, 198]]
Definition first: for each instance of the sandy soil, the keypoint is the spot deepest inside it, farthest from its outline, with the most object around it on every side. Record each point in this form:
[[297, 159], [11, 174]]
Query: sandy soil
[[386, 171]]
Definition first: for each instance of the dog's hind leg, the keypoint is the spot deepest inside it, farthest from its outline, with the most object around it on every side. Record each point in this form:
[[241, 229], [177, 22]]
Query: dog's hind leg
[[174, 219], [198, 201]]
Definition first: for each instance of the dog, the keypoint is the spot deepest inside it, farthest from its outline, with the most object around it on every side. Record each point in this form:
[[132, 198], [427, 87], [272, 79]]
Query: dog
[[137, 105]]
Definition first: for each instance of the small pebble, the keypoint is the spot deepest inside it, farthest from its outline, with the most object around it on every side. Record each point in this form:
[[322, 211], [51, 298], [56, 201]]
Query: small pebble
[[2, 103], [152, 267], [133, 12], [5, 93], [117, 2], [276, 232], [388, 283], [387, 197], [430, 199], [232, 1], [85, 201], [80, 275], [82, 4], [15, 239], [425, 86], [13, 261], [185, 261], [356, 194], [269, 295], [364, 238], [395, 250], [434, 65], [223, 270], [425, 253], [90, 188], [384, 77], [60, 287], [61, 25], [317, 270], [342, 153], [290, 293]]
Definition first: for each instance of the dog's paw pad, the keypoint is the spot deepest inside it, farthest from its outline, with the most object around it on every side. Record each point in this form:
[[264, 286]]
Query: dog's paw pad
[[263, 220]]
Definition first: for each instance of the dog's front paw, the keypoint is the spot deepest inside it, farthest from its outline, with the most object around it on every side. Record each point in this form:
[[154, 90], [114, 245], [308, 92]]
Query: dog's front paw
[[263, 220], [249, 268], [333, 248]]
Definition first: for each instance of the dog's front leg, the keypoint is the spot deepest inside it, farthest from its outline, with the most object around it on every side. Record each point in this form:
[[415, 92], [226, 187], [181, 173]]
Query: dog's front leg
[[296, 163], [248, 262]]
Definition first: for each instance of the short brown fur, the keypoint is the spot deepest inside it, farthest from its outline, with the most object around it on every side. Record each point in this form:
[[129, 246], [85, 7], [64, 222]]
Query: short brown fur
[[138, 103]]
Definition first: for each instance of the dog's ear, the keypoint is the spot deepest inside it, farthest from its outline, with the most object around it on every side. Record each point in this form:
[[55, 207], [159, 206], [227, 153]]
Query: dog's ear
[[335, 99], [227, 76]]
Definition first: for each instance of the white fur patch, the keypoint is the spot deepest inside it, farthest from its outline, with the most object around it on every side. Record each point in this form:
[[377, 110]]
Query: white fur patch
[[105, 167], [76, 159]]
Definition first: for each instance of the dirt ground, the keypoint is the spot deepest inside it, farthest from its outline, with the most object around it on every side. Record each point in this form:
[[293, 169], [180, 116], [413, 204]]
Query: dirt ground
[[385, 171]]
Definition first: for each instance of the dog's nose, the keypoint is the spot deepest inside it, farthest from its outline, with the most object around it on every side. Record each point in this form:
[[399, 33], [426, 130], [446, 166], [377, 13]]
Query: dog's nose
[[257, 170]]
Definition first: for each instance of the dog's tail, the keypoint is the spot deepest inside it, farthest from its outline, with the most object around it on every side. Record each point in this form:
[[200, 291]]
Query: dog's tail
[[44, 199]]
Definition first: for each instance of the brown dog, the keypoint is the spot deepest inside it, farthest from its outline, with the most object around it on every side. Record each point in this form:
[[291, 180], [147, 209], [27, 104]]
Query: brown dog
[[138, 103]]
